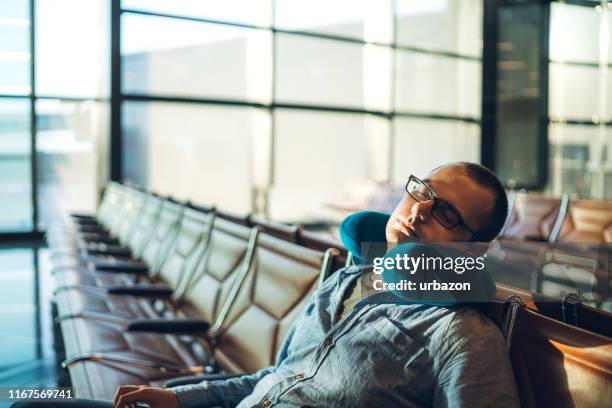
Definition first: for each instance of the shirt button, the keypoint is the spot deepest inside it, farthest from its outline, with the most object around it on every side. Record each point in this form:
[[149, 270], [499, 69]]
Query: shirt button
[[265, 403], [328, 342], [298, 377]]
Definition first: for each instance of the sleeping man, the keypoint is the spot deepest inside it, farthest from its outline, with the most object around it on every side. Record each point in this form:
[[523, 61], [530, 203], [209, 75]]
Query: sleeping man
[[342, 352], [350, 348]]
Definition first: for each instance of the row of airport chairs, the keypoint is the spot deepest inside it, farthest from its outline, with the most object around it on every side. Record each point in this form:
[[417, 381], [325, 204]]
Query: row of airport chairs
[[151, 291], [558, 245]]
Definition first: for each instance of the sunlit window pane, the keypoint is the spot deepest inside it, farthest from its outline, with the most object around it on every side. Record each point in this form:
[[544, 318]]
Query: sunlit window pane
[[190, 58], [570, 151], [370, 20], [15, 168], [319, 71], [441, 25], [573, 91], [72, 54], [423, 144], [14, 47], [214, 147], [257, 12], [318, 154], [574, 33], [427, 83], [71, 150]]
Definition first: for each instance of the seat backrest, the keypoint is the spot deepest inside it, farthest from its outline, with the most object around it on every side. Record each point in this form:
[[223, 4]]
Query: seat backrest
[[123, 222], [318, 242], [187, 250], [141, 226], [236, 219], [110, 204], [126, 220], [587, 221], [558, 365], [281, 279], [544, 305], [595, 320], [163, 236], [533, 217], [575, 313], [215, 274]]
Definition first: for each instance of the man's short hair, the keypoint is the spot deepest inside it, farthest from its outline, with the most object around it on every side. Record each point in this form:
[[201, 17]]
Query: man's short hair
[[486, 178]]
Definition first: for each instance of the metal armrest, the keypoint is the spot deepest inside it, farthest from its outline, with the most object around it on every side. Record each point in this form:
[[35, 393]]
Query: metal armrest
[[157, 291], [94, 316], [122, 360], [122, 267], [181, 326], [83, 216], [111, 250], [86, 288], [194, 379], [80, 222], [99, 238], [88, 228]]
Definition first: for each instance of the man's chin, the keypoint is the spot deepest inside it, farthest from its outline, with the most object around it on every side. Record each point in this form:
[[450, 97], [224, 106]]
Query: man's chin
[[398, 237]]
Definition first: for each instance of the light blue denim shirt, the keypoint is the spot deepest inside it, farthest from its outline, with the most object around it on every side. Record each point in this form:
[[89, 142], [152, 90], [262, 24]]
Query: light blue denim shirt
[[382, 353]]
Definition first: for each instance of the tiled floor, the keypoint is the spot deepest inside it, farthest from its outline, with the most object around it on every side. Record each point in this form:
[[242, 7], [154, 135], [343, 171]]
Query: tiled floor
[[27, 356]]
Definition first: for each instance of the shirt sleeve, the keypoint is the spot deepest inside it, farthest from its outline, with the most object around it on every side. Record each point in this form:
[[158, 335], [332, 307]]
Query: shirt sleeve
[[219, 393], [477, 373]]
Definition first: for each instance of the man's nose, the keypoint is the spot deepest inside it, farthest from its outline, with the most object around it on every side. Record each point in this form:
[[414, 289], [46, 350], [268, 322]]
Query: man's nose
[[420, 211]]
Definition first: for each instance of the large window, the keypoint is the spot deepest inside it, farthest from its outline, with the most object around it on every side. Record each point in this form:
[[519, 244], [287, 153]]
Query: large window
[[15, 117], [580, 99], [222, 105], [72, 91], [54, 89], [200, 153], [15, 167]]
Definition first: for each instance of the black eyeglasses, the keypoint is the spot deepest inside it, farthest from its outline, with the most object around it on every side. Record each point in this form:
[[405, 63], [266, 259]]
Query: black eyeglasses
[[443, 212]]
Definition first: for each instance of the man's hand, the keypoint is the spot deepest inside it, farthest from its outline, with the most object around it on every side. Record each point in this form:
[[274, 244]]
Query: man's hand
[[128, 396]]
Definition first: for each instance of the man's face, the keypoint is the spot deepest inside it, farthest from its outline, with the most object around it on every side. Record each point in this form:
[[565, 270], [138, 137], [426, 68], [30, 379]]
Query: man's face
[[412, 221]]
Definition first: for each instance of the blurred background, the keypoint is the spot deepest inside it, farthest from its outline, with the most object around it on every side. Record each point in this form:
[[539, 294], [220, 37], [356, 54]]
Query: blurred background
[[286, 108], [297, 111]]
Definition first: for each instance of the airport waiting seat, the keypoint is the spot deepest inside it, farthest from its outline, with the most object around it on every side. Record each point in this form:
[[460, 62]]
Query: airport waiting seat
[[123, 225], [218, 265], [225, 289], [288, 232], [558, 365], [110, 199], [135, 235], [533, 225], [249, 326], [82, 287], [580, 259], [318, 242], [112, 203], [532, 218], [281, 281], [136, 229], [569, 309], [555, 364]]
